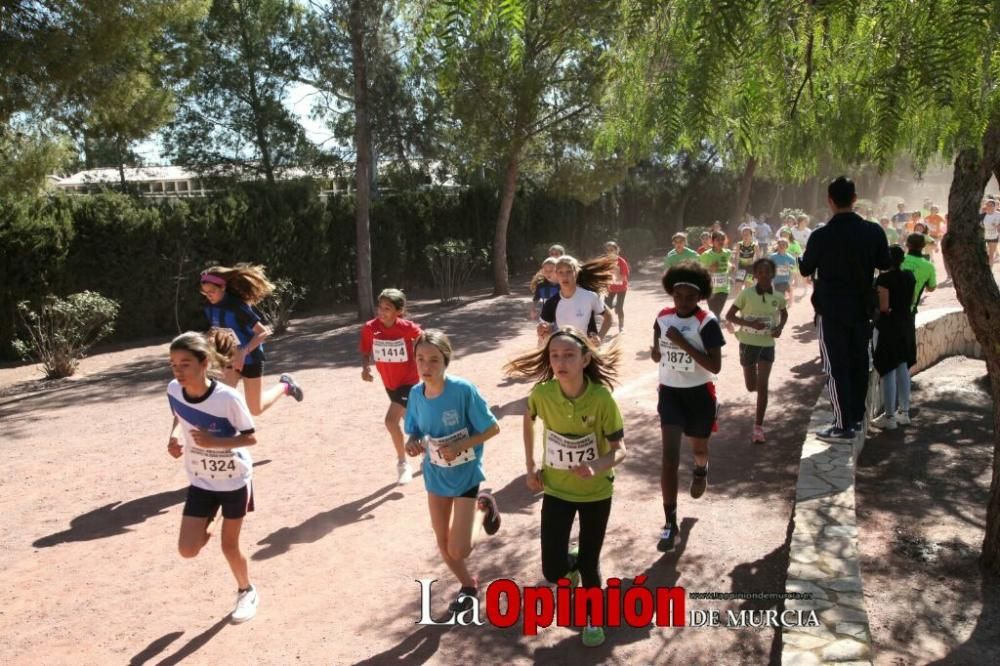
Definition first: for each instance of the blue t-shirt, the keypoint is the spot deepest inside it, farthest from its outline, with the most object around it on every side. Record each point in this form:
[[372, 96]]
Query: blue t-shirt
[[781, 277], [545, 290], [234, 314], [459, 408]]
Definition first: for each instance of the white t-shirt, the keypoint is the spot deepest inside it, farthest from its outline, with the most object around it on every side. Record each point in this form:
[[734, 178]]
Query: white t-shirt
[[801, 236], [991, 226], [221, 412], [577, 311], [678, 368]]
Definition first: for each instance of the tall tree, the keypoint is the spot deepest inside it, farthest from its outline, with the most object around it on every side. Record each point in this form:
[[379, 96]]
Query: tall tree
[[97, 71], [370, 94], [514, 71], [874, 78], [234, 111]]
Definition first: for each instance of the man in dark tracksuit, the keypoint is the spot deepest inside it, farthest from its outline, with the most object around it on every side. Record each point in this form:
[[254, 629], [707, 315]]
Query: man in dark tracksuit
[[842, 257]]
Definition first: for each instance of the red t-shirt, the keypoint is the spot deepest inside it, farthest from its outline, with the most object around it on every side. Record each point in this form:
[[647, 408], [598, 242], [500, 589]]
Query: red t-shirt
[[392, 350], [620, 283]]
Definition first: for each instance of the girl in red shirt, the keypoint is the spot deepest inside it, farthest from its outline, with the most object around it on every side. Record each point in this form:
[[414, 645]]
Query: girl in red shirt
[[388, 341], [619, 284]]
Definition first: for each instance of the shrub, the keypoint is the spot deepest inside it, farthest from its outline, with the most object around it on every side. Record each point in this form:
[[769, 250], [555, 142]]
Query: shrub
[[277, 307], [63, 329], [451, 264]]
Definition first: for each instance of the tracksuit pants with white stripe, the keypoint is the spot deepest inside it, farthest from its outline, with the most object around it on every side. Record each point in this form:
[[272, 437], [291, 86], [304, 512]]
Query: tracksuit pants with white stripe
[[843, 345]]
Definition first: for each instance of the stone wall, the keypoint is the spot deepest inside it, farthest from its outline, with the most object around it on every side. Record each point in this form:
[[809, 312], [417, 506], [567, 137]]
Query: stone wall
[[823, 557]]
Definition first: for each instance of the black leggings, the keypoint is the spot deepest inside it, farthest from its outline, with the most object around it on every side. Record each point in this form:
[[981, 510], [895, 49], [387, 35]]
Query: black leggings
[[557, 521], [618, 304]]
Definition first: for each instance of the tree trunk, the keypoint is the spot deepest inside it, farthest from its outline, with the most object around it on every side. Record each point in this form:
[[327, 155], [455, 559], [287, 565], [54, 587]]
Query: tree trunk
[[743, 196], [773, 208], [501, 282], [362, 167], [682, 207], [965, 254]]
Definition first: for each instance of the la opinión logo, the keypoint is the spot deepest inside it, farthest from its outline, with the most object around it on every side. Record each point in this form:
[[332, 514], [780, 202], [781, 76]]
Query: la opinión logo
[[507, 603]]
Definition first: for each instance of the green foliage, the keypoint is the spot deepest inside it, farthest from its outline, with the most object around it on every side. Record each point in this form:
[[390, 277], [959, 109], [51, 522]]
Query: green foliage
[[636, 242], [63, 329], [451, 263], [234, 112], [27, 158], [278, 307]]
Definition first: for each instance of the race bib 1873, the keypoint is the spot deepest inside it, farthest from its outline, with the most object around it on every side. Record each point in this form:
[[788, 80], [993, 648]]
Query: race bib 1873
[[674, 357]]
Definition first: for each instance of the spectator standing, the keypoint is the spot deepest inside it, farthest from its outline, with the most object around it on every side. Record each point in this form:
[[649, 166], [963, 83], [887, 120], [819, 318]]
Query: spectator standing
[[842, 256]]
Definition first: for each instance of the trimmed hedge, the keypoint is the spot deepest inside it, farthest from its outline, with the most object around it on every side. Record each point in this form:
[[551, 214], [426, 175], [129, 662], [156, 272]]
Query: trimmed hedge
[[147, 255]]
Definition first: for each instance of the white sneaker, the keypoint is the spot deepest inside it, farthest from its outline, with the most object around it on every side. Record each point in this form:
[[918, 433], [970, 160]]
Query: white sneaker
[[246, 605], [884, 422], [903, 418], [404, 472]]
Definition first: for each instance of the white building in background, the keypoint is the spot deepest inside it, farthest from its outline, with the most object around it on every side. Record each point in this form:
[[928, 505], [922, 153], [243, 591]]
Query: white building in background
[[168, 182]]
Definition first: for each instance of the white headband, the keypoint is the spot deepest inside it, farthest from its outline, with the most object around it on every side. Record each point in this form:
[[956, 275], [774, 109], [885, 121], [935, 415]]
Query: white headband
[[686, 284]]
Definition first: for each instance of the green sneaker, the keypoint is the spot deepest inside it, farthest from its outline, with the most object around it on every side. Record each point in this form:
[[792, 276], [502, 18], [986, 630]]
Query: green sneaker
[[593, 636]]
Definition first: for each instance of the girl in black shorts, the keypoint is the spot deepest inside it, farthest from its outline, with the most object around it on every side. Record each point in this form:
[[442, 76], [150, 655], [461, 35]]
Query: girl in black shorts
[[687, 344]]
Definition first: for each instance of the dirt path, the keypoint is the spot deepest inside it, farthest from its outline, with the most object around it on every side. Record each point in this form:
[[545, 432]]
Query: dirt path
[[91, 505], [922, 494]]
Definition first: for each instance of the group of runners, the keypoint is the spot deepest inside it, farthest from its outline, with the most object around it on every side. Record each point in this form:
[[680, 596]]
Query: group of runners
[[573, 431]]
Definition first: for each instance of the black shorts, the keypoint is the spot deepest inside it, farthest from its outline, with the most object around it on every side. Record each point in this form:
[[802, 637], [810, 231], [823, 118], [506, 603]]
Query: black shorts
[[694, 409], [754, 354], [472, 492], [400, 395], [203, 503], [252, 370]]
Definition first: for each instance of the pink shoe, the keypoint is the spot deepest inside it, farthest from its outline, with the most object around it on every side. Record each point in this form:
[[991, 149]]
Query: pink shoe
[[758, 435]]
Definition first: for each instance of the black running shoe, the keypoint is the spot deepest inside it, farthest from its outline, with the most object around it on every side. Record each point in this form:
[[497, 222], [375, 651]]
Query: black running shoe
[[463, 602], [667, 538], [491, 521], [294, 389]]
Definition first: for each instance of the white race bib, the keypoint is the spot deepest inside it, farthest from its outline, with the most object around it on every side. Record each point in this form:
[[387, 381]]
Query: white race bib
[[212, 464], [434, 445], [562, 452], [390, 351], [767, 321], [784, 270], [675, 358], [741, 275], [720, 279]]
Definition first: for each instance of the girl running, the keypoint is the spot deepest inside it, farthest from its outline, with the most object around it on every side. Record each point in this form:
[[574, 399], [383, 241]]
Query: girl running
[[762, 317], [619, 284], [785, 267], [578, 304], [719, 263], [543, 286], [388, 340], [687, 344], [746, 254], [447, 421], [212, 426], [231, 294], [584, 439], [706, 242]]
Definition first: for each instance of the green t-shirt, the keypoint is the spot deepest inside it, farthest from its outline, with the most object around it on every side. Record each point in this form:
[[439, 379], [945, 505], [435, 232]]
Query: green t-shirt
[[759, 307], [674, 257], [719, 265], [795, 249], [891, 235], [924, 274], [593, 415]]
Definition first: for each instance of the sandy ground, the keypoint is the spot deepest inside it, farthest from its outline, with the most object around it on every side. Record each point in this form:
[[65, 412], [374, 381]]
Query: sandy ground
[[90, 506], [922, 494]]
